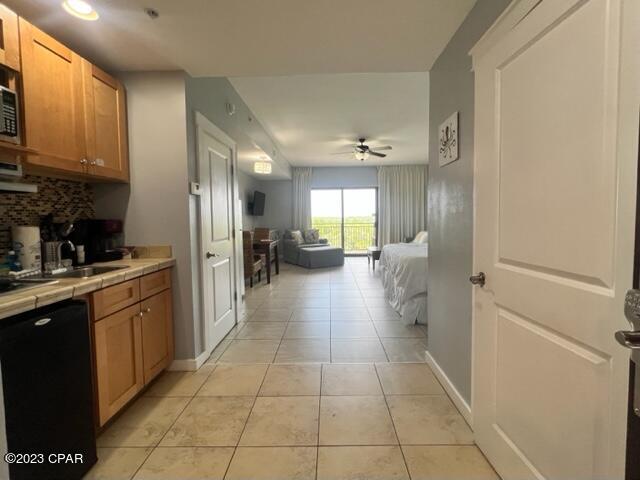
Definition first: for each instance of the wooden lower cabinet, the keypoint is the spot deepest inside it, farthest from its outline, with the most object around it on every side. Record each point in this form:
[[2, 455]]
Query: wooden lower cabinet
[[157, 334], [131, 346], [119, 367]]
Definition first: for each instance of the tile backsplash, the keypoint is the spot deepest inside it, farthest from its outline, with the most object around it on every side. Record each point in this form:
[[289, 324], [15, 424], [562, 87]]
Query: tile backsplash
[[66, 199]]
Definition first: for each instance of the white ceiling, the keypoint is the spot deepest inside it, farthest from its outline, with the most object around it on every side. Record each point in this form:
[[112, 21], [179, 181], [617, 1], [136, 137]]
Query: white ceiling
[[310, 117], [257, 37]]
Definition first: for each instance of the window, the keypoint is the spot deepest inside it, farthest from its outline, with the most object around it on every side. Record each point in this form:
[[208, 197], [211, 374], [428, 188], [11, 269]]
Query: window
[[347, 217]]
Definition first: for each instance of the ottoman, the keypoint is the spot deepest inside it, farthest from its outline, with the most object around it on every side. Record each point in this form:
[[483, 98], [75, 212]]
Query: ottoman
[[320, 257]]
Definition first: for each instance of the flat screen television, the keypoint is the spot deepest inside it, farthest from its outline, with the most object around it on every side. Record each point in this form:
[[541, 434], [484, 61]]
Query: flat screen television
[[257, 207]]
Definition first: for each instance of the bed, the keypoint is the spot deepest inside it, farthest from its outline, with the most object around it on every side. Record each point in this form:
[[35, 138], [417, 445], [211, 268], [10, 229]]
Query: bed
[[404, 277]]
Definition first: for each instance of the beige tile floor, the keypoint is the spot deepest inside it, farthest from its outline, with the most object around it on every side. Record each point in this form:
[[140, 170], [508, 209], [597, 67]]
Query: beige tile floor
[[320, 381]]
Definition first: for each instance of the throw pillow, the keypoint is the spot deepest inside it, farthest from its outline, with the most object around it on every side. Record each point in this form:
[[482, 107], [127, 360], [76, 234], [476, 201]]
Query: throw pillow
[[312, 235], [296, 235]]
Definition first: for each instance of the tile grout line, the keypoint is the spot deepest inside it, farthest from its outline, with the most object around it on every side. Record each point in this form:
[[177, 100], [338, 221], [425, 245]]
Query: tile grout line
[[244, 427], [319, 415], [273, 360], [152, 449], [157, 444], [406, 465]]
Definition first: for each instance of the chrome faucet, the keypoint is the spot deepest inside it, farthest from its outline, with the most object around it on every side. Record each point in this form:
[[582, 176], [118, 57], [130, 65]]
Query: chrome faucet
[[59, 252]]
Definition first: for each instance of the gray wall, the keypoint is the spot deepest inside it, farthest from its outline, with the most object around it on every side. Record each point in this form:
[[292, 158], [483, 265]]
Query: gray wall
[[155, 206], [344, 177], [246, 186], [450, 201], [209, 96], [279, 208]]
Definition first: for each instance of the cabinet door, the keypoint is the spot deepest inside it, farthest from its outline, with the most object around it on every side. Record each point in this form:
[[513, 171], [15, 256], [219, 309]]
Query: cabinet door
[[118, 352], [157, 334], [53, 101], [106, 124], [10, 47]]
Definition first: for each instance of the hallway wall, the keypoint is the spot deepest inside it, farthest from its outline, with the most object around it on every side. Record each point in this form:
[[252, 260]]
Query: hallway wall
[[450, 202]]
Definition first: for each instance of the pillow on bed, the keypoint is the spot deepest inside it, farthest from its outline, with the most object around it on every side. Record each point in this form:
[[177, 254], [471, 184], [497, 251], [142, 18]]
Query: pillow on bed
[[421, 237]]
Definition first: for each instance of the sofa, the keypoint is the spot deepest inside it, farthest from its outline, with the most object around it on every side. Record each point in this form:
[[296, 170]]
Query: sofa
[[307, 249]]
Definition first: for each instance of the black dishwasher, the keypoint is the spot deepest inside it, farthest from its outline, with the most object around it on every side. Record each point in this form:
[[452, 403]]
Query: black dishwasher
[[47, 387]]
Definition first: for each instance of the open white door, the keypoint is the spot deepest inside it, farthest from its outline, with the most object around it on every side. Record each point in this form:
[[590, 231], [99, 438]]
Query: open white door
[[216, 162], [556, 127]]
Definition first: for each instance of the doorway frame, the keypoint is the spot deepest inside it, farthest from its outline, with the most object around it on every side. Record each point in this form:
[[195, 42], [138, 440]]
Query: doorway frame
[[202, 123], [377, 214]]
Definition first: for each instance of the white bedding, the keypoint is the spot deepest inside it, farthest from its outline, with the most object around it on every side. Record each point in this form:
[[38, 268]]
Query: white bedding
[[404, 276]]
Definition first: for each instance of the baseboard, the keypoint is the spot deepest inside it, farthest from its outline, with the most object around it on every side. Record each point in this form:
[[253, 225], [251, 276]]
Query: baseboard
[[452, 391], [190, 364]]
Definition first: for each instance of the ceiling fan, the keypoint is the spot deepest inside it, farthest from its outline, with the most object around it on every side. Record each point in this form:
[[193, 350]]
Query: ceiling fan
[[362, 150]]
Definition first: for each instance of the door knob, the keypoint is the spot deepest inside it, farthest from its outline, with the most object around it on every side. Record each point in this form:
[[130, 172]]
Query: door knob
[[211, 255], [628, 339], [478, 279]]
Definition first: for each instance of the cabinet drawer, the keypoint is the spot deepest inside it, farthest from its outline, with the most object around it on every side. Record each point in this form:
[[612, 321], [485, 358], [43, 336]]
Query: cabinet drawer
[[155, 283], [111, 299]]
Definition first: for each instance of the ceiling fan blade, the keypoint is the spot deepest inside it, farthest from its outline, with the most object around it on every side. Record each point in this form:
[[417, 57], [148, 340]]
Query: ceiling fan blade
[[386, 147], [350, 152], [376, 154]]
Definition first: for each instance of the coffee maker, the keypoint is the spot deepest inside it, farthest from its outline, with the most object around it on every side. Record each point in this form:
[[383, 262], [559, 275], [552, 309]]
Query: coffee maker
[[102, 239]]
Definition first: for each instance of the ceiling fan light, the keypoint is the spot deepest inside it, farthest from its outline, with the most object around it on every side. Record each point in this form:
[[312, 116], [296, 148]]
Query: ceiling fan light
[[362, 156], [262, 168]]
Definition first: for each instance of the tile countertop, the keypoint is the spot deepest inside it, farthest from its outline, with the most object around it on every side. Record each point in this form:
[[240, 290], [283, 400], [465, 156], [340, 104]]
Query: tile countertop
[[23, 301]]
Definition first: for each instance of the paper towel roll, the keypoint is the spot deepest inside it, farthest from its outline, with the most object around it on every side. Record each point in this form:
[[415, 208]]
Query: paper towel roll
[[26, 242]]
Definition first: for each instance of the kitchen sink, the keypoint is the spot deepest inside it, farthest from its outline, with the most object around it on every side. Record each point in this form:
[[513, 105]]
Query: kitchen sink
[[86, 272]]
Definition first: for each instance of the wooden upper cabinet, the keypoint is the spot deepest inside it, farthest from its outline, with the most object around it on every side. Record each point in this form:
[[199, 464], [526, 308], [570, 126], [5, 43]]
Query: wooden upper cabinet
[[53, 101], [106, 126], [9, 41], [75, 114]]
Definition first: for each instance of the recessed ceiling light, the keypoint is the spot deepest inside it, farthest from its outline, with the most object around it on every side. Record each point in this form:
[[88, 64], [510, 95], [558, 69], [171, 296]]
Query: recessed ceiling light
[[80, 9]]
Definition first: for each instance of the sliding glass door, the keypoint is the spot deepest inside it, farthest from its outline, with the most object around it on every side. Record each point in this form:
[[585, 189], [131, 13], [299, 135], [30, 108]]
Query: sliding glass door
[[347, 217]]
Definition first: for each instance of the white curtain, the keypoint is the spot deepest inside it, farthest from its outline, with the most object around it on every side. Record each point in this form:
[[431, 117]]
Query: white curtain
[[302, 198], [402, 202]]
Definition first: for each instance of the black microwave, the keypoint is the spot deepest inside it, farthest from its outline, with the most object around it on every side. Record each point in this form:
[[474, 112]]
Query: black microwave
[[9, 121]]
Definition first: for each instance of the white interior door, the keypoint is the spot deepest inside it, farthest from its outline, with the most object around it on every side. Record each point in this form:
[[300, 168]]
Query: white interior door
[[556, 153], [216, 159]]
